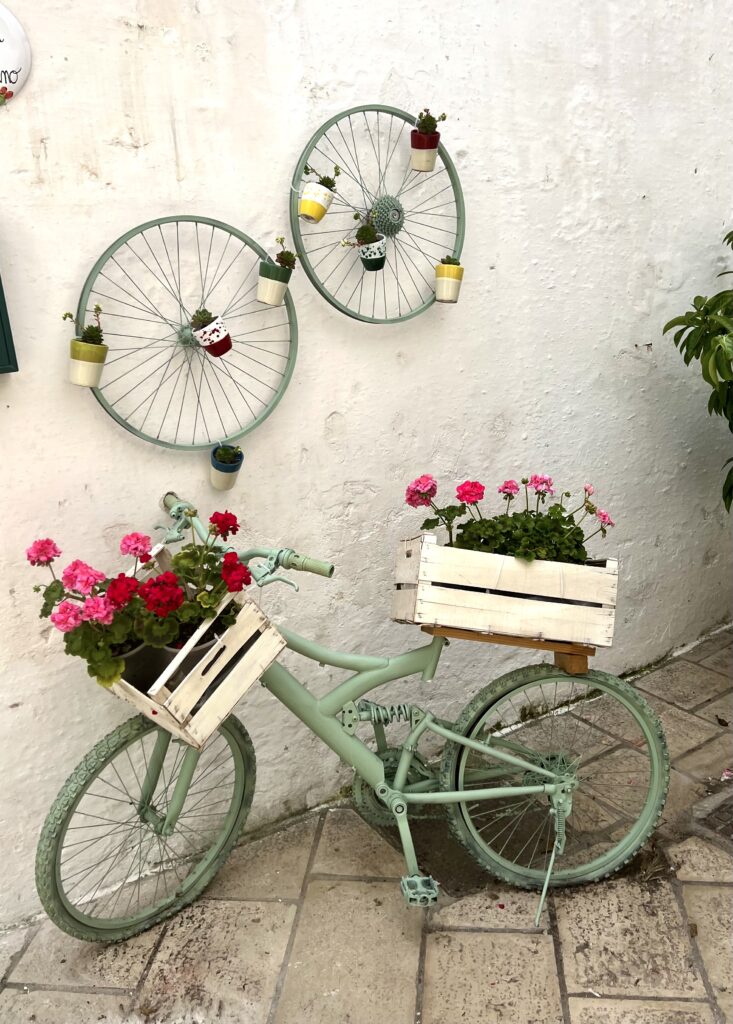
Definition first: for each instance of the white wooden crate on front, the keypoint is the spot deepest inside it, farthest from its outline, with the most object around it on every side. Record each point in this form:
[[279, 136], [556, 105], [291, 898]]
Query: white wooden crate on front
[[486, 593], [225, 673]]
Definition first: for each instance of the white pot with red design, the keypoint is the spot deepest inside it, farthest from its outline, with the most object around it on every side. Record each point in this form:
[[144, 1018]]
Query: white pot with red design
[[211, 333]]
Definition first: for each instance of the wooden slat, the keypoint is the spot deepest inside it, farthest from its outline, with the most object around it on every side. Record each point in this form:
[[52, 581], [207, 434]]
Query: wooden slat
[[186, 695], [560, 646], [189, 645], [596, 584], [513, 616], [244, 675], [152, 710]]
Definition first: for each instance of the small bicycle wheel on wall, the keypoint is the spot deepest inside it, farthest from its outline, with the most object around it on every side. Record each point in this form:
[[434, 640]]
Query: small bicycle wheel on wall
[[419, 214], [163, 380]]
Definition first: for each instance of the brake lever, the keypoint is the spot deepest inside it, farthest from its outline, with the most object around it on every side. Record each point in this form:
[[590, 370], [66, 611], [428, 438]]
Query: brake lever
[[263, 582]]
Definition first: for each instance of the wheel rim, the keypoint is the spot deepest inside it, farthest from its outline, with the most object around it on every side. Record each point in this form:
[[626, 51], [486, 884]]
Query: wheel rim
[[139, 874], [583, 729], [158, 382], [421, 214]]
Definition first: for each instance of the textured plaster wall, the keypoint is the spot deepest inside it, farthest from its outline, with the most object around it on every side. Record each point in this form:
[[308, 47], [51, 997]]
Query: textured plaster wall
[[591, 144]]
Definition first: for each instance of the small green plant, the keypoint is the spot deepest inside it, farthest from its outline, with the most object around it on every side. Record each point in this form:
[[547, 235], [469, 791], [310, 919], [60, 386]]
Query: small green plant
[[366, 233], [327, 180], [228, 453], [92, 334], [285, 258], [427, 123], [705, 333], [201, 318], [451, 261]]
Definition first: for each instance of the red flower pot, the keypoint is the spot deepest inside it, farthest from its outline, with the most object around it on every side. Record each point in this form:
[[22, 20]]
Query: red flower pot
[[424, 150], [220, 347]]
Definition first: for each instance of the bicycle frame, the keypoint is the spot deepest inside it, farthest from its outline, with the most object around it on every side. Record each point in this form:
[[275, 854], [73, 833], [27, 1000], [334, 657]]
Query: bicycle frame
[[320, 715]]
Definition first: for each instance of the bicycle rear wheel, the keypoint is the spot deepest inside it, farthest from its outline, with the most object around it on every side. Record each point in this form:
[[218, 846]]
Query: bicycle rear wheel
[[595, 728], [103, 872]]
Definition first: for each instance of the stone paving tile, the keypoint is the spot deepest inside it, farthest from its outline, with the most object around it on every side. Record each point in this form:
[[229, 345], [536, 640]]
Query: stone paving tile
[[497, 907], [642, 1011], [682, 682], [721, 661], [710, 908], [54, 958], [349, 846], [683, 730], [217, 961], [17, 1007], [490, 977], [696, 860], [710, 760], [722, 708], [354, 958], [626, 938], [683, 793], [10, 945], [710, 646], [273, 866]]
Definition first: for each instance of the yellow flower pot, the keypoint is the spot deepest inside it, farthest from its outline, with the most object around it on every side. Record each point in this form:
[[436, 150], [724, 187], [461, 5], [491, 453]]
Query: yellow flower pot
[[448, 278], [86, 362], [314, 202]]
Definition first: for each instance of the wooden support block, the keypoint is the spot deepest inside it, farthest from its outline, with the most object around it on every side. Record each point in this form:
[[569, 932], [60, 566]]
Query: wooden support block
[[573, 664], [559, 646]]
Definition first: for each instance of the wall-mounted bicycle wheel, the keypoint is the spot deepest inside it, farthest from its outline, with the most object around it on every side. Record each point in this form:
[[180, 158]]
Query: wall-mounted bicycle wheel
[[158, 381], [420, 213]]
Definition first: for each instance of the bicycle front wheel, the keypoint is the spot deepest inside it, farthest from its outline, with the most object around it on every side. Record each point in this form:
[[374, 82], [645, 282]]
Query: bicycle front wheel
[[594, 728], [104, 871]]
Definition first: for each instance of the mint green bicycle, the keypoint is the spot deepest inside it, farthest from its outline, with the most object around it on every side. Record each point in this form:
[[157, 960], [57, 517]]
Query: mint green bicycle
[[546, 778]]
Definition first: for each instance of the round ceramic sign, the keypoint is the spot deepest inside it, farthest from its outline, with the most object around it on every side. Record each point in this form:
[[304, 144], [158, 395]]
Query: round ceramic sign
[[15, 56]]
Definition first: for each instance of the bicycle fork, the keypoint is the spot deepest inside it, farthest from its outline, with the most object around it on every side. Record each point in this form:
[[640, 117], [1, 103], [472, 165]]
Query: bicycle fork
[[164, 822]]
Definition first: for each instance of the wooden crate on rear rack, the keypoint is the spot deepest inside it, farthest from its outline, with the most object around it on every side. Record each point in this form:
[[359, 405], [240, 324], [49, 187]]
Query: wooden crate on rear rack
[[499, 594], [193, 708]]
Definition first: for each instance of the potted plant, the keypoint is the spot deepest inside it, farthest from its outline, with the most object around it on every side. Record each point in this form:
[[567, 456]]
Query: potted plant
[[131, 627], [424, 140], [369, 243], [88, 352], [705, 333], [448, 278], [519, 573], [317, 196], [210, 332], [226, 461], [274, 277]]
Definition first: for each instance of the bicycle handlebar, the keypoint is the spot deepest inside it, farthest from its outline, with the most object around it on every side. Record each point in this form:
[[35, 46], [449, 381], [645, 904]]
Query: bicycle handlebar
[[286, 558]]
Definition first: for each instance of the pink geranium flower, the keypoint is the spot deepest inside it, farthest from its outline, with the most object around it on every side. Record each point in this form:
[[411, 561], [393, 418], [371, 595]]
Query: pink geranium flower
[[603, 518], [67, 616], [42, 552], [81, 577], [509, 488], [136, 544], [589, 489], [470, 491], [421, 491], [98, 609], [542, 484]]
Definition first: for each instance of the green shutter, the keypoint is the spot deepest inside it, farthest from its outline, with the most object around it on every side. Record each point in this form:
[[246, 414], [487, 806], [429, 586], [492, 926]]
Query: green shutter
[[8, 362]]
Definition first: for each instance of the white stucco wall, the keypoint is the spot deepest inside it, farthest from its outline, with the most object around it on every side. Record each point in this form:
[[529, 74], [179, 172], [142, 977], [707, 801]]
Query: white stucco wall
[[591, 143]]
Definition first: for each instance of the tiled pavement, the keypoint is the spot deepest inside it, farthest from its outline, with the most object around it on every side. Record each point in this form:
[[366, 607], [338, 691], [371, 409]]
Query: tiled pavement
[[306, 924]]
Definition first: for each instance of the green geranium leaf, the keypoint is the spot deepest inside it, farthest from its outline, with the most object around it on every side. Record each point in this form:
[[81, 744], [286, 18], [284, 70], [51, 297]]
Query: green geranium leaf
[[53, 593]]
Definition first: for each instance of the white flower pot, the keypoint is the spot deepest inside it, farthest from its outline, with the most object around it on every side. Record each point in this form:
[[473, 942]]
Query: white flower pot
[[215, 337], [222, 481], [86, 363], [374, 254], [314, 202], [423, 159], [272, 283], [448, 279]]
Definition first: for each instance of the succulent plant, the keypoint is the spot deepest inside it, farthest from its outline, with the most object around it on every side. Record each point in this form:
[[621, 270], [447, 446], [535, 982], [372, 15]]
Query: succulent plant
[[201, 318], [451, 261], [227, 453], [327, 180], [366, 234], [285, 258], [92, 334], [427, 123]]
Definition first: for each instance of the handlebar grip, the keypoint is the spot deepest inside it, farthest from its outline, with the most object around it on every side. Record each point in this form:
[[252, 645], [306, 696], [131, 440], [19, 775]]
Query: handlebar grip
[[304, 564]]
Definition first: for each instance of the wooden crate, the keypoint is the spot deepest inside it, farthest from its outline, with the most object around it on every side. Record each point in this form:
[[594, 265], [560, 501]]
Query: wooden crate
[[445, 586], [198, 704]]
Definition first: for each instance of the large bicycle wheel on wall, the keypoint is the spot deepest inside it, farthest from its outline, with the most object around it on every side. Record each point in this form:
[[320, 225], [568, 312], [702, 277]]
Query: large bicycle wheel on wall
[[421, 214], [159, 381]]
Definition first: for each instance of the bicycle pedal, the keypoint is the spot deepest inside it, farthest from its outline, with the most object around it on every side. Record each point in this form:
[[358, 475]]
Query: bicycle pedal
[[419, 890]]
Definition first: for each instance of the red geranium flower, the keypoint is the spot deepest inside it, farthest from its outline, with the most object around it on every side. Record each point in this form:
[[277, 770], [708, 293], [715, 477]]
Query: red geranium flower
[[122, 589], [162, 594], [224, 523], [235, 575]]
